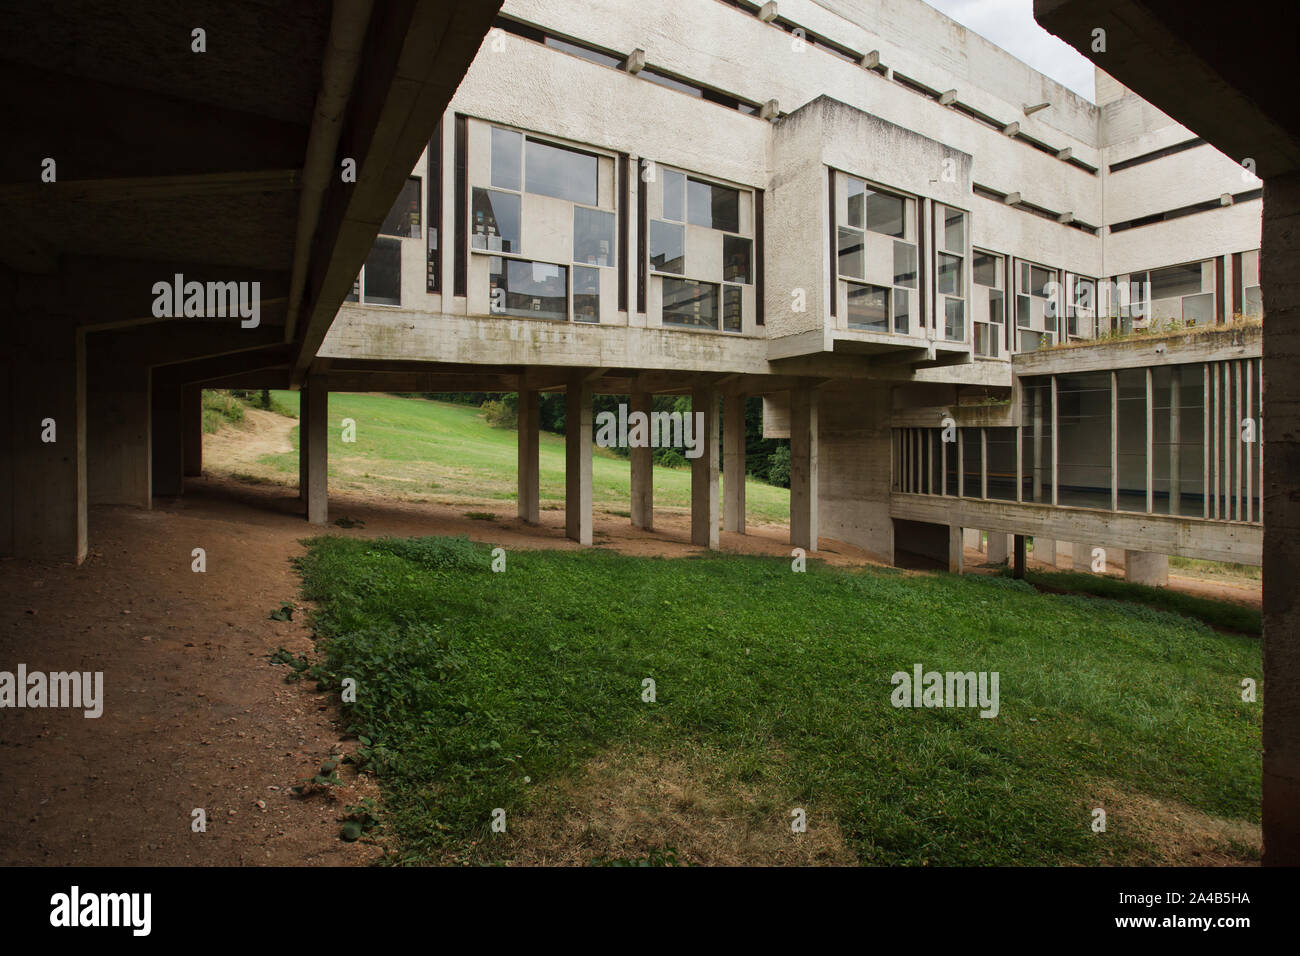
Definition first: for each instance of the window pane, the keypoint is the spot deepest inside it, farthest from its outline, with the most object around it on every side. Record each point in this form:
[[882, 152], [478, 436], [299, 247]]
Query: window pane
[[1176, 280], [505, 158], [495, 221], [674, 196], [562, 173], [985, 270], [404, 218], [949, 274], [715, 206], [996, 305], [852, 258], [383, 276], [905, 264], [1199, 308], [954, 313], [689, 303], [1024, 312], [902, 312], [593, 236], [1040, 279], [595, 56], [1254, 305], [732, 309], [868, 307], [856, 192], [537, 290], [954, 230], [886, 215], [586, 294], [735, 258], [667, 247]]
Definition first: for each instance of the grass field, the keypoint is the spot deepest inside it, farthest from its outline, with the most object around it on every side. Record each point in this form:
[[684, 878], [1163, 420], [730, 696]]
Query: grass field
[[523, 692], [435, 451]]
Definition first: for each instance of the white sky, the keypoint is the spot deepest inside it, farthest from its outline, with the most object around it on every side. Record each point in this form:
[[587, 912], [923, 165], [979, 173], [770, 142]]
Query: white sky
[[1010, 24]]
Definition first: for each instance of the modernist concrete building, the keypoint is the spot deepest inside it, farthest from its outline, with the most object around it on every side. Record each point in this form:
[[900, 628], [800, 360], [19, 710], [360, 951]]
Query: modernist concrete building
[[878, 221]]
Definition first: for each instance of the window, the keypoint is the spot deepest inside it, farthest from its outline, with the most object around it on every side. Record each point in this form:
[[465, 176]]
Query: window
[[1252, 299], [950, 263], [716, 207], [586, 294], [496, 220], [988, 302], [561, 173], [1176, 281], [667, 247], [732, 309], [736, 252], [507, 147], [690, 303], [1183, 294], [1036, 311], [868, 308], [403, 220], [674, 195], [876, 255], [535, 290], [1080, 307], [593, 236], [381, 277], [433, 280]]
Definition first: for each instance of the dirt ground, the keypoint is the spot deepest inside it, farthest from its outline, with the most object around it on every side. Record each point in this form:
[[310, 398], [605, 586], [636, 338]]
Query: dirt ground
[[197, 717]]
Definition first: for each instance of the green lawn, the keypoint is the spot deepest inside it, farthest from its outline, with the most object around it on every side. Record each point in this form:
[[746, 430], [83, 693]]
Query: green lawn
[[441, 452], [481, 690]]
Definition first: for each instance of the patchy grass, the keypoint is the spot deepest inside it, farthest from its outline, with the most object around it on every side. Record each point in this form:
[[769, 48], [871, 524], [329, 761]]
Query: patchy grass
[[524, 691], [1220, 614]]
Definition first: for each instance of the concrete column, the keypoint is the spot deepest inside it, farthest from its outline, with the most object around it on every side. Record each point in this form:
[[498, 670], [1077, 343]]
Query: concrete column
[[167, 440], [704, 470], [43, 489], [119, 418], [577, 460], [733, 463], [1082, 557], [999, 547], [643, 485], [1045, 550], [1280, 266], [956, 557], [315, 400], [804, 478], [192, 429], [529, 429], [972, 538], [1145, 567]]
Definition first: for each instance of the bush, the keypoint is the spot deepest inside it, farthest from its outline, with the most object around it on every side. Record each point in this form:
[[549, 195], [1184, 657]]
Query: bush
[[778, 467], [669, 458], [220, 408], [500, 415]]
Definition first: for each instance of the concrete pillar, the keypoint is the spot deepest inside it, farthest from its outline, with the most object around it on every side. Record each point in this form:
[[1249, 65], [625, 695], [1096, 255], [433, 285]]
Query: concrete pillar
[[1082, 557], [529, 429], [304, 440], [43, 484], [643, 485], [956, 555], [316, 401], [972, 538], [577, 460], [1045, 550], [999, 547], [804, 478], [1145, 567], [119, 419], [192, 429], [733, 463], [704, 470], [167, 440], [1280, 266]]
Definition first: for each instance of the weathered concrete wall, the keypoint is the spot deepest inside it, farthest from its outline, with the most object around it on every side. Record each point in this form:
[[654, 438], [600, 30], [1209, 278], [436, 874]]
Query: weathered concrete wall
[[855, 453]]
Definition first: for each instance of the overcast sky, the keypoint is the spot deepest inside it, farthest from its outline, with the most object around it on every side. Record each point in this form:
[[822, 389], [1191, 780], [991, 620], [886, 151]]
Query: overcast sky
[[1010, 24]]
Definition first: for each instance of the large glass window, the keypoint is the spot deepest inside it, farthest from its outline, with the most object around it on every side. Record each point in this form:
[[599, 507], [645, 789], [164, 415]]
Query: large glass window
[[736, 251], [1252, 304], [690, 303], [381, 279], [732, 309], [507, 157], [593, 236], [886, 214], [1080, 307], [403, 220], [674, 195], [535, 290], [586, 294], [868, 307], [667, 247], [988, 302], [1176, 281], [950, 262], [717, 207], [949, 274], [562, 173], [495, 220], [1036, 311]]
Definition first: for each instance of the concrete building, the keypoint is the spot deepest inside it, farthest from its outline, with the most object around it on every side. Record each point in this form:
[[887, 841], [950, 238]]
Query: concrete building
[[872, 218]]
